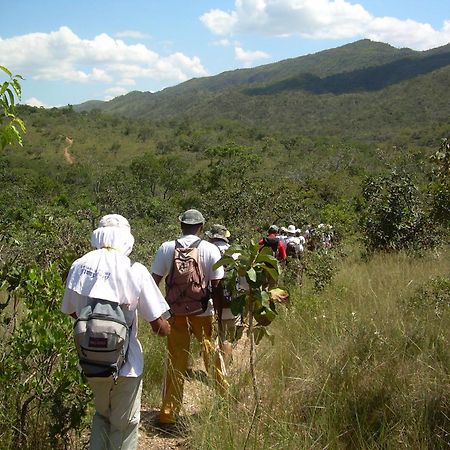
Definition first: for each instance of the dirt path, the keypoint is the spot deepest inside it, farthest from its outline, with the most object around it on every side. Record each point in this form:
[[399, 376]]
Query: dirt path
[[67, 155], [195, 393]]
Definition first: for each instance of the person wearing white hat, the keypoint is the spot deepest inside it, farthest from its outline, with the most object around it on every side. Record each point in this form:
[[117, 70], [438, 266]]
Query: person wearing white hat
[[293, 244], [107, 273]]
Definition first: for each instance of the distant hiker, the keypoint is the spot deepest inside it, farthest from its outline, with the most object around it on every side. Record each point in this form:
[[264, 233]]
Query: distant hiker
[[293, 244], [283, 234], [228, 322], [302, 240], [274, 242], [193, 311], [327, 233], [108, 274]]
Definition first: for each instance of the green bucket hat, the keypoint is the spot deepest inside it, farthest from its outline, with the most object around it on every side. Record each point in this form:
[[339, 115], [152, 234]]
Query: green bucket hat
[[191, 217], [218, 231]]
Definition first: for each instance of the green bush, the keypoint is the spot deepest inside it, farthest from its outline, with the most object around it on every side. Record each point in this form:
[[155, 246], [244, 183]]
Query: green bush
[[43, 399], [393, 216]]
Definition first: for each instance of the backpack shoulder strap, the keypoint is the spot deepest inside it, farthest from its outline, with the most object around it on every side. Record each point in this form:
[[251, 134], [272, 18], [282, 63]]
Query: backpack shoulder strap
[[195, 244]]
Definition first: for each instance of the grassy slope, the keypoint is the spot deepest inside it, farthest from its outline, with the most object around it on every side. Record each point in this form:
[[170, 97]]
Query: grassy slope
[[358, 366]]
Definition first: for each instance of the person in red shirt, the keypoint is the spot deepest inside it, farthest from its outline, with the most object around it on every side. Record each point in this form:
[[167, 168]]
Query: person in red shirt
[[275, 243]]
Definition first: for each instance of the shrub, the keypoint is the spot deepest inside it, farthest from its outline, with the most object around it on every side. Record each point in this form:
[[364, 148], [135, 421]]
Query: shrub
[[393, 216]]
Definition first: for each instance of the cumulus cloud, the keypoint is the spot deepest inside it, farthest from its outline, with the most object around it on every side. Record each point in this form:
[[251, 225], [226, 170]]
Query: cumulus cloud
[[249, 57], [115, 92], [62, 55], [322, 19], [33, 101], [408, 33]]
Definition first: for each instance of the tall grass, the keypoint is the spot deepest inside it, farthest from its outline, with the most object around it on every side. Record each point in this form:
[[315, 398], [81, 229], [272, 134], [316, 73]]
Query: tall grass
[[362, 365]]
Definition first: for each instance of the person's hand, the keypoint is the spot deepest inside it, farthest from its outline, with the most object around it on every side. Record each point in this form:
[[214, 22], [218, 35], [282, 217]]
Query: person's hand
[[160, 326]]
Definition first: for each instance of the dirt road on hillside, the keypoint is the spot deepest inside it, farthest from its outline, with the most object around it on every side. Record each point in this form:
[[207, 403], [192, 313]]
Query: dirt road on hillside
[[67, 155]]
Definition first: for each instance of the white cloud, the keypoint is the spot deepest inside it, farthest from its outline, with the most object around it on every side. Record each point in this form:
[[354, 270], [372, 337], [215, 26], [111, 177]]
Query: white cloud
[[62, 55], [408, 33], [322, 19], [221, 43], [249, 57], [220, 22], [115, 92], [126, 82], [33, 101], [132, 34]]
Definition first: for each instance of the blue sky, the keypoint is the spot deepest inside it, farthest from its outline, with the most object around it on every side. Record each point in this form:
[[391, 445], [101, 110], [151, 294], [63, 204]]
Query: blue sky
[[71, 51]]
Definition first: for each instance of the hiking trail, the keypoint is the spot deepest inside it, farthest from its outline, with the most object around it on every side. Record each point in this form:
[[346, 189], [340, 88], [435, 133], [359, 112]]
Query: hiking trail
[[195, 391], [67, 155]]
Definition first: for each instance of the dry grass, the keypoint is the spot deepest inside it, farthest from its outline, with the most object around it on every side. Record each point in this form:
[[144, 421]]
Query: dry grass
[[354, 367]]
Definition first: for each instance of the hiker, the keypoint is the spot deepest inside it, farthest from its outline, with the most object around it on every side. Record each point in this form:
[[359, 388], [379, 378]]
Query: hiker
[[274, 242], [187, 316], [107, 273], [227, 321], [283, 234], [292, 242], [302, 240]]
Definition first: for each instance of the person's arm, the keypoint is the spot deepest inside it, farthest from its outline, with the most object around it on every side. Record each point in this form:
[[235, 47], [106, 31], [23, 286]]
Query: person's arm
[[282, 250], [160, 326]]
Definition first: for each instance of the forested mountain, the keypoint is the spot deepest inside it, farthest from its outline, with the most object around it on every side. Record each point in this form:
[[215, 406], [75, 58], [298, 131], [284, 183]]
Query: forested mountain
[[356, 90]]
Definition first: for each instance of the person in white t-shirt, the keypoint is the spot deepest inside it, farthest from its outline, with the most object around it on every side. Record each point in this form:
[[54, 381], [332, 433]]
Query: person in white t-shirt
[[107, 273], [182, 326], [293, 241]]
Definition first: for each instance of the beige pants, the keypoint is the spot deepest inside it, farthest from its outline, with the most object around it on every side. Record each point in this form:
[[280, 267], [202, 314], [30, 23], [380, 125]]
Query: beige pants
[[117, 413], [178, 346]]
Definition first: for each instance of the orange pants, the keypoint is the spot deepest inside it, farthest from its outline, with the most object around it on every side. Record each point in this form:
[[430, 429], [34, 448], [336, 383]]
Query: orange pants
[[178, 345]]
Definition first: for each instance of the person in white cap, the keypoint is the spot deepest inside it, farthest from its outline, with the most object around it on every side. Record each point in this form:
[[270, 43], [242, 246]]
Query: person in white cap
[[292, 241], [183, 325], [107, 273]]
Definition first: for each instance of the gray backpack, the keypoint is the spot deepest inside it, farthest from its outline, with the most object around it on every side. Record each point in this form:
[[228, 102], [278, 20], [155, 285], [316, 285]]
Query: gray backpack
[[102, 334]]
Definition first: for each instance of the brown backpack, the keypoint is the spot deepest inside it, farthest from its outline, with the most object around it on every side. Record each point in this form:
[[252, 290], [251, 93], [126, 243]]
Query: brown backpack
[[186, 292]]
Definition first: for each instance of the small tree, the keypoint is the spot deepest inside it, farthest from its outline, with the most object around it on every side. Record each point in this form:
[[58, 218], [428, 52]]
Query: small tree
[[440, 186], [11, 125], [252, 276], [393, 216]]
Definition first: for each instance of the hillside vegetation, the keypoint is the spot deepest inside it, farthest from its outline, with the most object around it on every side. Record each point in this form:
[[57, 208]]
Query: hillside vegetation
[[352, 91], [356, 137]]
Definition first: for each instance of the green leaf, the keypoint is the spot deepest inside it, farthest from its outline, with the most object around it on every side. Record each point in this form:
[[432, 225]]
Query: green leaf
[[3, 88], [16, 85], [267, 258], [11, 98], [17, 136], [271, 272], [238, 304], [224, 261], [6, 70], [259, 332], [21, 123], [265, 299], [251, 275]]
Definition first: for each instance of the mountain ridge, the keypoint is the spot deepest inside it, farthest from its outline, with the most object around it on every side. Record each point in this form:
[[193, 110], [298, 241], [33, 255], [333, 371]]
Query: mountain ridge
[[318, 85]]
